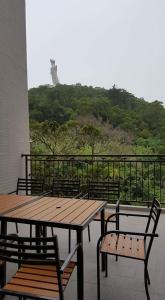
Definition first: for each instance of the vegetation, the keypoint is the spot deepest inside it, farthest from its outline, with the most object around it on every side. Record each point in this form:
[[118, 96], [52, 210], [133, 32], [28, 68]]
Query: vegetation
[[75, 119]]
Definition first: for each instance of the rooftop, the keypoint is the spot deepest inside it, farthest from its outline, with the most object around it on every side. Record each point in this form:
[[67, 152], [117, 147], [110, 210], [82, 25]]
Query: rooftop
[[125, 280]]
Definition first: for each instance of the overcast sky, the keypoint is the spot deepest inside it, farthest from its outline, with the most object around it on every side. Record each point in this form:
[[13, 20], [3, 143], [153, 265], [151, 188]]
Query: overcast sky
[[99, 43]]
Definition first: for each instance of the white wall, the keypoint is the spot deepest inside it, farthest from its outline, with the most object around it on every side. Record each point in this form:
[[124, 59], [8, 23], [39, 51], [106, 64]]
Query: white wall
[[14, 119]]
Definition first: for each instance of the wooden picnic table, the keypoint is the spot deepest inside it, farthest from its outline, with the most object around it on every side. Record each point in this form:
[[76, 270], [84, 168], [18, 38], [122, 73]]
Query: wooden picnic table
[[67, 213]]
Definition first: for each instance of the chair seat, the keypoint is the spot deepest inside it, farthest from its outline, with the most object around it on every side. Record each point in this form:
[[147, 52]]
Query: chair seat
[[123, 245], [41, 281], [107, 214]]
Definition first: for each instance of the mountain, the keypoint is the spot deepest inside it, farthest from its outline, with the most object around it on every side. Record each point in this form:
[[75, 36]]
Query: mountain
[[116, 107]]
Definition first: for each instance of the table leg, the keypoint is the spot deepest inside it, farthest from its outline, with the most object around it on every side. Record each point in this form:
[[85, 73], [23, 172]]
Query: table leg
[[44, 232], [80, 266], [3, 267], [37, 234], [103, 256]]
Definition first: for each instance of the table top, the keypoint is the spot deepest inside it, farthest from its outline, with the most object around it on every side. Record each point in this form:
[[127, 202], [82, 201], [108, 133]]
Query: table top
[[9, 202], [60, 212]]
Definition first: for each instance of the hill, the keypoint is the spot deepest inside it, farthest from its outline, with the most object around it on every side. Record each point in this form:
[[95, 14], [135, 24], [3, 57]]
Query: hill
[[113, 111]]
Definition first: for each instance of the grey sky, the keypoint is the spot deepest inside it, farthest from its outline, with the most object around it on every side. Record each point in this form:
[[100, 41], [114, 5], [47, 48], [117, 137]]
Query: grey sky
[[99, 43]]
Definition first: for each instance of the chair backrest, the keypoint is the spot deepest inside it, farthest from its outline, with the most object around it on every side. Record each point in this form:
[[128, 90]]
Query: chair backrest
[[32, 251], [104, 190], [30, 186], [152, 223], [65, 187], [154, 215]]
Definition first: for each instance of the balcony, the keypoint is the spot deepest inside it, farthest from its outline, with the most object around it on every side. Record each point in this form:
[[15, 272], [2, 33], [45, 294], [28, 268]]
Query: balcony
[[125, 280], [140, 178]]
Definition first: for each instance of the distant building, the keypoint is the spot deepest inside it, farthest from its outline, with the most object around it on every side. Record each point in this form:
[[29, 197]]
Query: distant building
[[14, 116], [53, 72]]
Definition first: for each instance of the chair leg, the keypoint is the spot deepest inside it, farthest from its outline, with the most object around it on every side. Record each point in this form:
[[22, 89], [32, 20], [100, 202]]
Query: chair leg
[[117, 228], [69, 241], [146, 281], [98, 274], [16, 225], [30, 231], [52, 231], [89, 233], [148, 277], [106, 266], [41, 230]]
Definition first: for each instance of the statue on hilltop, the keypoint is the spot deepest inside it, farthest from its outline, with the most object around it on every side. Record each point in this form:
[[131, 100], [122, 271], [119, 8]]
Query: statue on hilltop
[[53, 72]]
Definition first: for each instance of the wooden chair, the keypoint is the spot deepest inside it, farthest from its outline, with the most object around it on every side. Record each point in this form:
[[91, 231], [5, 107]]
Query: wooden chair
[[40, 274], [2, 262], [106, 191], [68, 188], [29, 187], [130, 244]]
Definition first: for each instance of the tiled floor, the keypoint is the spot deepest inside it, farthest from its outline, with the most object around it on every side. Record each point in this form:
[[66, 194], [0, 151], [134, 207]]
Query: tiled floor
[[125, 281]]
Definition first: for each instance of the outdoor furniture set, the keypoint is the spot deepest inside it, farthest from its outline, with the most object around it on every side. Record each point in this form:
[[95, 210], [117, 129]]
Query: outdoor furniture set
[[41, 274]]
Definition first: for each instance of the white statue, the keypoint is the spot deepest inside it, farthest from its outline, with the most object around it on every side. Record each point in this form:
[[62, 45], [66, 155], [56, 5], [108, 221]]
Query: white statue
[[53, 72]]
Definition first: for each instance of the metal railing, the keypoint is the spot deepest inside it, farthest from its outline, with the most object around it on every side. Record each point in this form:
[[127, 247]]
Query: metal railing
[[141, 176]]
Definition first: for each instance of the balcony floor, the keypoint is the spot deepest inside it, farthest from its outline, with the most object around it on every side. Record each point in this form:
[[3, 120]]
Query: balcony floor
[[125, 279]]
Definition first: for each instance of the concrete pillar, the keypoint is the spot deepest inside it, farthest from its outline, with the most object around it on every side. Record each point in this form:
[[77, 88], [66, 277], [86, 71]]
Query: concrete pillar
[[14, 116]]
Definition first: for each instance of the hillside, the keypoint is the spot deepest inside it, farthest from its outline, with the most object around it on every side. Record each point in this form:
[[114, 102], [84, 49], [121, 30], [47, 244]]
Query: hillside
[[113, 111]]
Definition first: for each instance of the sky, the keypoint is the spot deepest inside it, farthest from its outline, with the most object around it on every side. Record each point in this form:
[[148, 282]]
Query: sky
[[98, 43]]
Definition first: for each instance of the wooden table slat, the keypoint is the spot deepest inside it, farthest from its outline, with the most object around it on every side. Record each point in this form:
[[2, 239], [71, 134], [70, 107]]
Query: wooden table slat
[[59, 208], [37, 207], [28, 208], [75, 213], [63, 215], [67, 211], [87, 213], [8, 202], [60, 213]]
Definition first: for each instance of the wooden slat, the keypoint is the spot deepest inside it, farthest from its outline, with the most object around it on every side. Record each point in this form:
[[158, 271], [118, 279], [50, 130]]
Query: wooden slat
[[35, 284], [52, 204], [38, 271], [60, 210], [128, 247], [138, 248], [87, 213], [49, 204], [8, 202], [35, 291], [121, 245], [48, 214], [63, 215], [68, 269], [40, 278], [124, 246], [77, 212], [31, 207], [73, 209], [44, 272]]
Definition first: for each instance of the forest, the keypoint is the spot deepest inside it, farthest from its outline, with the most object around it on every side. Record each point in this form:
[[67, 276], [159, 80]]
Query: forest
[[76, 119]]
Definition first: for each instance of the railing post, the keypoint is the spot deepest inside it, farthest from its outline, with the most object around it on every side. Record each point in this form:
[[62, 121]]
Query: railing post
[[26, 172]]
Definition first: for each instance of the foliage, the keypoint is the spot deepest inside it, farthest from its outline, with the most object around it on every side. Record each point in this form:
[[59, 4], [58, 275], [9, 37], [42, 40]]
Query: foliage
[[85, 120]]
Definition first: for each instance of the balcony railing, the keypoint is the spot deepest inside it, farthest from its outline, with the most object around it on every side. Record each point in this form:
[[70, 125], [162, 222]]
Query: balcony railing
[[140, 176]]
